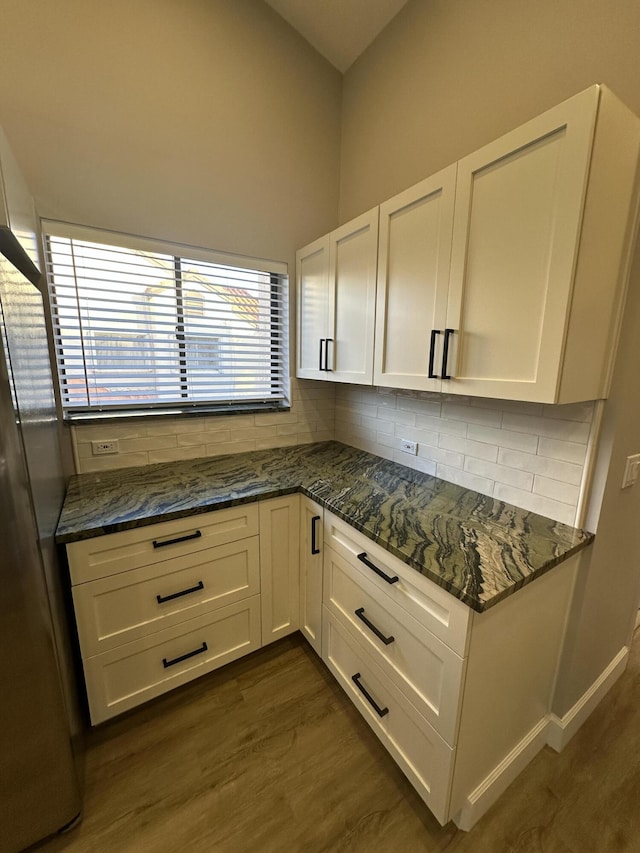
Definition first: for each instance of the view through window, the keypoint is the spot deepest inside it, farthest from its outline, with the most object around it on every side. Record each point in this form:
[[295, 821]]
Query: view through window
[[137, 328]]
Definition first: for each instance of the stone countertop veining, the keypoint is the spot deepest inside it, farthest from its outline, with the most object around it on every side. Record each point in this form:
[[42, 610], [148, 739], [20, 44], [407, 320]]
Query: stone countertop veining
[[476, 547]]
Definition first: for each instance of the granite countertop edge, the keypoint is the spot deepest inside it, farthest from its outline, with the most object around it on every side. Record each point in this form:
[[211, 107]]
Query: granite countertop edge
[[478, 549]]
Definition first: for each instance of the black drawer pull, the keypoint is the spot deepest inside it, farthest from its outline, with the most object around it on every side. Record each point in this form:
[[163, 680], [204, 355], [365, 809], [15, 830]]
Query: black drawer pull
[[360, 614], [162, 598], [320, 367], [432, 353], [363, 559], [314, 544], [195, 535], [381, 712], [445, 353], [167, 663]]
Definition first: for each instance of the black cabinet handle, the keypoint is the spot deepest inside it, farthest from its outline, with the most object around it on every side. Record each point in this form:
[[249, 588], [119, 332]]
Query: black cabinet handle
[[363, 559], [445, 352], [162, 598], [432, 353], [326, 356], [360, 614], [320, 367], [167, 663], [195, 535], [381, 712], [314, 544]]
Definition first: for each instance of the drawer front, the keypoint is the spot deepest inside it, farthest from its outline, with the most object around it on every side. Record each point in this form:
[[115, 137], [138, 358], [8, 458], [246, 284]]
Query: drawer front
[[131, 549], [427, 671], [129, 675], [421, 753], [433, 607], [124, 607]]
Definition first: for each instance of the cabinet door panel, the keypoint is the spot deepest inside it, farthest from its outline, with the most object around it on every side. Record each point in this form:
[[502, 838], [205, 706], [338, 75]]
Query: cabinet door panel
[[519, 205], [279, 564], [312, 275], [352, 294], [311, 555], [413, 274]]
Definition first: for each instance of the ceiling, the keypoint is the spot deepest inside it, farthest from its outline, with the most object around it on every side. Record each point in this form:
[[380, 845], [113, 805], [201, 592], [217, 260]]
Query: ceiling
[[338, 29]]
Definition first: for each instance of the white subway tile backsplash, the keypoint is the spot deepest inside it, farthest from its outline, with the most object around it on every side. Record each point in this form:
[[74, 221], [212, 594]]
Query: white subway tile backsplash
[[565, 472], [570, 412], [441, 456], [504, 438], [397, 416], [556, 490], [529, 454], [471, 414], [535, 503], [565, 430], [463, 478], [466, 446], [311, 418], [442, 425], [566, 451], [499, 473], [415, 404], [415, 462]]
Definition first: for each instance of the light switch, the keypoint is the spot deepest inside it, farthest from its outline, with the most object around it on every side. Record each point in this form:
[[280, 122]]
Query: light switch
[[631, 470]]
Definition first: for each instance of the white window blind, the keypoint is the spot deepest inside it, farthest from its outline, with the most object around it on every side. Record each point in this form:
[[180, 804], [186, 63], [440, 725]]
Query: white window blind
[[139, 324]]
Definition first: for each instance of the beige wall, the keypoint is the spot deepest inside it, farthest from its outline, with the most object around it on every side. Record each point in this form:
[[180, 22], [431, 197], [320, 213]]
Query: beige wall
[[446, 77], [208, 122]]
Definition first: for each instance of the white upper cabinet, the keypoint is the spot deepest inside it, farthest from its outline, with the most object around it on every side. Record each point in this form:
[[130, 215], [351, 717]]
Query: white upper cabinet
[[336, 287], [538, 257], [413, 278], [502, 276], [312, 276]]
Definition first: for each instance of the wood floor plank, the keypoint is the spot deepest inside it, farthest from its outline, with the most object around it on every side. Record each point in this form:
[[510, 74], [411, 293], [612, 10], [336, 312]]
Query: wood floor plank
[[267, 754]]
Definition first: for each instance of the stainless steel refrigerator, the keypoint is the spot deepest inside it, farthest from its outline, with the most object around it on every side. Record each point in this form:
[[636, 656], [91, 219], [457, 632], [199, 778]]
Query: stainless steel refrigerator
[[39, 790]]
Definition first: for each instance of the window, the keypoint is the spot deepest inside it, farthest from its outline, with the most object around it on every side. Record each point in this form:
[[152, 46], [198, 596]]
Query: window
[[140, 325]]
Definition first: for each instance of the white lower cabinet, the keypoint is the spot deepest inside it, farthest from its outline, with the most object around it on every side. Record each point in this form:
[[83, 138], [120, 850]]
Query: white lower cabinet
[[279, 538], [159, 605], [460, 699], [128, 675], [425, 758]]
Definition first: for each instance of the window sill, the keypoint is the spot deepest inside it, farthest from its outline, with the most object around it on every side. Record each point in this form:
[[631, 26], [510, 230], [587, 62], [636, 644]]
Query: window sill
[[82, 418]]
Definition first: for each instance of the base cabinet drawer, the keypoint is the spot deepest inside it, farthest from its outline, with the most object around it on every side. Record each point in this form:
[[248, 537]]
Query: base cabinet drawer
[[426, 670], [101, 556], [128, 675], [125, 607], [432, 606], [425, 758]]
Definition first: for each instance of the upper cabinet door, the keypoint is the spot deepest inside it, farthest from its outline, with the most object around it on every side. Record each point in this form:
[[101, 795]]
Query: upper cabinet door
[[352, 300], [312, 276], [413, 274], [519, 206]]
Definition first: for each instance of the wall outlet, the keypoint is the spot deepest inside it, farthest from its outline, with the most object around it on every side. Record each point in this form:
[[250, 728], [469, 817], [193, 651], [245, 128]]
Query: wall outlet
[[102, 448], [408, 446]]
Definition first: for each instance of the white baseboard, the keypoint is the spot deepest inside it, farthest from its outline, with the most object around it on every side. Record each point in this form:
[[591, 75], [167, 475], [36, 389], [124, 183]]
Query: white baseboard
[[562, 729], [496, 783]]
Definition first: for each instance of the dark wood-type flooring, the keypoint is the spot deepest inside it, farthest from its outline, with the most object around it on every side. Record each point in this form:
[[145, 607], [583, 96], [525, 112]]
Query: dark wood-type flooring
[[268, 754]]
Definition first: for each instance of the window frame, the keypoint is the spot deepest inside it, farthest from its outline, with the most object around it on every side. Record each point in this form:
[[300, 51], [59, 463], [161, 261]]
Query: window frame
[[276, 361]]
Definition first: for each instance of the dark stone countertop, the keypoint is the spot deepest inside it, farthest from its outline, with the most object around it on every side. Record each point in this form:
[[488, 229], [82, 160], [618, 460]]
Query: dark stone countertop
[[477, 548]]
